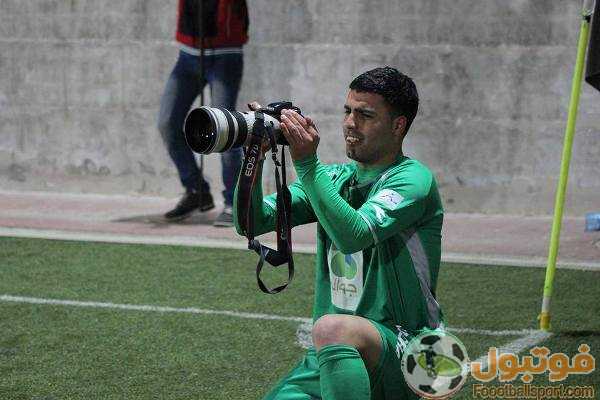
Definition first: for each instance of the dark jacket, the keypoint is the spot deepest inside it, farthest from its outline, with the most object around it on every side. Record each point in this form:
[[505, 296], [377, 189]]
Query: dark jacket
[[224, 23]]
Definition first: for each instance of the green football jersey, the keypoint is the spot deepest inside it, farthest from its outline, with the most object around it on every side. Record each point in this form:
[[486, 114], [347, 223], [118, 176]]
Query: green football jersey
[[392, 279]]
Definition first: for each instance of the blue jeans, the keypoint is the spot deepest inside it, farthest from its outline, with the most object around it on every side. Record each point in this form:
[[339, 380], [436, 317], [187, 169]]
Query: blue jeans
[[223, 73]]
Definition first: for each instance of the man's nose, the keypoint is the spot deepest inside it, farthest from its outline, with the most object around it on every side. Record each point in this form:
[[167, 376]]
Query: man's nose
[[349, 121]]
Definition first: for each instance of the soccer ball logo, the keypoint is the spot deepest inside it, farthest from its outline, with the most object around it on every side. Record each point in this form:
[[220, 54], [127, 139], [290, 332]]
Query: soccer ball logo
[[435, 364]]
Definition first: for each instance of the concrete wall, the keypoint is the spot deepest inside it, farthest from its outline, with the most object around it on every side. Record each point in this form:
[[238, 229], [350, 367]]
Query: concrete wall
[[80, 82]]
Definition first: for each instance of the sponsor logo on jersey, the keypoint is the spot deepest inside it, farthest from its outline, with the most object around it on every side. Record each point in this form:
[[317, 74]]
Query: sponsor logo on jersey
[[346, 275], [343, 265], [388, 198]]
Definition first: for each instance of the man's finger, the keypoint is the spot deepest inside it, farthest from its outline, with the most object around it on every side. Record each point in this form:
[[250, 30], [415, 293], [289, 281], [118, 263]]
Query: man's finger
[[311, 122], [300, 126], [287, 122], [308, 127], [297, 118], [298, 132], [287, 133], [254, 105]]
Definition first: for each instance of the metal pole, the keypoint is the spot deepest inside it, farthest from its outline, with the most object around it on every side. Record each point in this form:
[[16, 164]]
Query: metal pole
[[201, 47], [544, 316], [201, 73]]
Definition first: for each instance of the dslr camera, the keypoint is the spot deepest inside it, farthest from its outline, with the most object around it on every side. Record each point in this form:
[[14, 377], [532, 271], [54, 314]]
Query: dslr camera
[[215, 129]]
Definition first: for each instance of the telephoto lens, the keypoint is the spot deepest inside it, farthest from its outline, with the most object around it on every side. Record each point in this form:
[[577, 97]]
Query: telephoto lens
[[215, 130]]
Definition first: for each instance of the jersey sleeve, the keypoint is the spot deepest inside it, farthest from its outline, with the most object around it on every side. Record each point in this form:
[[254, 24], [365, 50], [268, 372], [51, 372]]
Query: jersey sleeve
[[399, 203], [341, 222], [302, 212], [264, 208]]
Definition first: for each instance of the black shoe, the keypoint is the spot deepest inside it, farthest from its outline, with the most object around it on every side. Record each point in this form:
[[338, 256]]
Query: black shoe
[[189, 203], [225, 219], [206, 202]]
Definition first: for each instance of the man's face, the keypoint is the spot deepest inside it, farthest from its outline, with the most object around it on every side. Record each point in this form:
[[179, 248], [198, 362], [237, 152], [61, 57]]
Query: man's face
[[370, 133]]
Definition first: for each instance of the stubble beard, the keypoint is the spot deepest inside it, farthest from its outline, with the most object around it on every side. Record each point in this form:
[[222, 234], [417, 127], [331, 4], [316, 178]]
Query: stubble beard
[[357, 156]]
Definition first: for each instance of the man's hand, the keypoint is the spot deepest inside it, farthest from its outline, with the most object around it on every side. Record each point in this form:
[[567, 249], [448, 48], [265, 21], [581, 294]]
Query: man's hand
[[254, 105], [266, 146], [301, 134]]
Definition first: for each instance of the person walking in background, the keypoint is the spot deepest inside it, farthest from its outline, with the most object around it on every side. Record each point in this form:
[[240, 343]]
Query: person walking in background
[[225, 31]]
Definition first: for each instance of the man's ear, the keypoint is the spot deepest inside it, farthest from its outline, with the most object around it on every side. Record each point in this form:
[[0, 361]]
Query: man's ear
[[399, 126]]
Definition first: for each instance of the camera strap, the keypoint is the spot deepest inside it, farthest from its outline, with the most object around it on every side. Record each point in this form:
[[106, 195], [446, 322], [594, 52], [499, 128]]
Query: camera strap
[[249, 175]]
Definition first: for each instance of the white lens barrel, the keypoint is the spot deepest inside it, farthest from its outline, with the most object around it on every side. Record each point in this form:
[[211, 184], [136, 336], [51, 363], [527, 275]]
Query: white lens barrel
[[250, 118], [220, 126], [215, 129]]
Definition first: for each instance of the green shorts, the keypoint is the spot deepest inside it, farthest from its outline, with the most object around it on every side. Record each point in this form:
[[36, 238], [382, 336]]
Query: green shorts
[[387, 381]]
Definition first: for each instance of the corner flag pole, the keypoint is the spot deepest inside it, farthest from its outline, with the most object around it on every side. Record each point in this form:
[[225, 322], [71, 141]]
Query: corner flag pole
[[544, 316]]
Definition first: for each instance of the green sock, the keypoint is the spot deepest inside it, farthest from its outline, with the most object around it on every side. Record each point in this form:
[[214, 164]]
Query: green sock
[[343, 373]]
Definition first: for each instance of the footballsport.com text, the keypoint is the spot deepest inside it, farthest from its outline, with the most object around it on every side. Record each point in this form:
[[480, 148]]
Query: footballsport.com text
[[527, 391]]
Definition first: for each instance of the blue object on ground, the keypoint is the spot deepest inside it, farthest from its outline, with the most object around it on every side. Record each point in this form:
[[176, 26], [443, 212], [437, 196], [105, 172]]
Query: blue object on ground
[[592, 222]]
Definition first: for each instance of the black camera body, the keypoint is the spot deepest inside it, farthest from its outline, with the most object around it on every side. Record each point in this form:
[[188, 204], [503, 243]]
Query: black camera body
[[275, 109], [215, 129]]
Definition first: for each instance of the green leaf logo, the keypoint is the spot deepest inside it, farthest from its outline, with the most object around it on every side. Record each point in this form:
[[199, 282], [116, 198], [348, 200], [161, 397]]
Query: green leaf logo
[[344, 265]]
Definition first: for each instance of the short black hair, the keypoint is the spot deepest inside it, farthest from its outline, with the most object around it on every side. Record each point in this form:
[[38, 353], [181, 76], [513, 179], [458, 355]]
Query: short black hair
[[398, 90]]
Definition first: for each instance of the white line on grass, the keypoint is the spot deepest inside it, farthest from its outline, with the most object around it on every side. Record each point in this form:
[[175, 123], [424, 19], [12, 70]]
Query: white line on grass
[[199, 241], [488, 332], [517, 345], [163, 309], [179, 240], [307, 322], [304, 337], [303, 333]]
